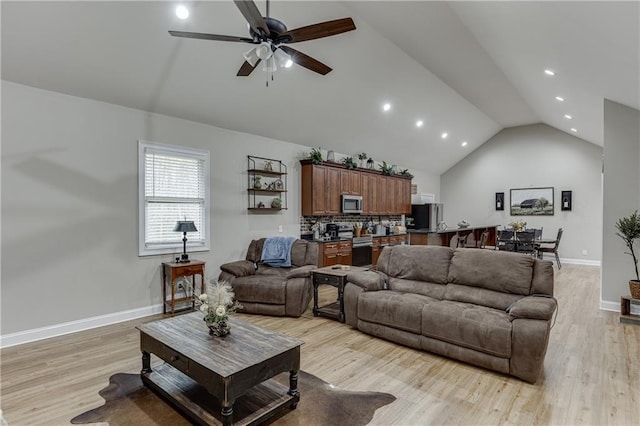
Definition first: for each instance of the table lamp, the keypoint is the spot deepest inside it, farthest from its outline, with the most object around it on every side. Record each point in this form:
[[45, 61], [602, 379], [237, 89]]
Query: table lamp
[[185, 226]]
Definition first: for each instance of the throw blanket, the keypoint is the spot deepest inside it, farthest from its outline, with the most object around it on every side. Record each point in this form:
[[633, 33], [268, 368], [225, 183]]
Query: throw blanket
[[276, 251]]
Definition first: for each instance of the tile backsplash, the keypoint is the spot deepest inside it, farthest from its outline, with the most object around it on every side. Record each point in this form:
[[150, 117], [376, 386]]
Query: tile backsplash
[[307, 221]]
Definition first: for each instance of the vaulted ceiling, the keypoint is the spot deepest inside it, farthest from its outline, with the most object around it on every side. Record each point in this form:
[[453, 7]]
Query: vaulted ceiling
[[465, 68]]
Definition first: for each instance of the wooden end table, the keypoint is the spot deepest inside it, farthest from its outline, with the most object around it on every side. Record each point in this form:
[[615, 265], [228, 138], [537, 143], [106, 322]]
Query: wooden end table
[[335, 276], [219, 380], [174, 270]]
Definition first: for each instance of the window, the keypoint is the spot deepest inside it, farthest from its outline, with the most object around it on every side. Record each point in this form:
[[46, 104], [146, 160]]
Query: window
[[173, 184]]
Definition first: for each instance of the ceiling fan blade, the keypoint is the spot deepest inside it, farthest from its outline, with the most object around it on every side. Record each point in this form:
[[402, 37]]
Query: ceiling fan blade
[[251, 13], [306, 61], [216, 37], [323, 29], [246, 69]]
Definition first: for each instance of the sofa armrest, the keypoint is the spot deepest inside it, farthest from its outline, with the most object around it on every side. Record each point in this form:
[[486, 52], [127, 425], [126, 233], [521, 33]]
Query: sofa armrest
[[239, 268], [533, 307], [369, 280], [301, 272]]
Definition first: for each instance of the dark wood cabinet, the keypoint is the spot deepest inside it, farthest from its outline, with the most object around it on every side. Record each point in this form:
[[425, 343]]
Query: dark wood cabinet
[[350, 182], [323, 184], [320, 190], [335, 253]]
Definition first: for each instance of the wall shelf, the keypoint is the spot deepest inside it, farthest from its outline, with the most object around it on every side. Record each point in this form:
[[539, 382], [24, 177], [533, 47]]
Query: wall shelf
[[266, 181]]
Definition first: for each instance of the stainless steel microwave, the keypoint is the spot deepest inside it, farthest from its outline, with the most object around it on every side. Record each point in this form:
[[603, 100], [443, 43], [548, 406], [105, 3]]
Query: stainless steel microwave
[[351, 203]]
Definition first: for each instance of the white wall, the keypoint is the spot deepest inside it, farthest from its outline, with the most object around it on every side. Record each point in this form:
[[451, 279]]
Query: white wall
[[69, 204], [621, 197], [531, 156]]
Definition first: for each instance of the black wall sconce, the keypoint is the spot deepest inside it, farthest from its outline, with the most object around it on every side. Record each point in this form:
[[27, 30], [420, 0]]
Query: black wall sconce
[[566, 201], [499, 200]]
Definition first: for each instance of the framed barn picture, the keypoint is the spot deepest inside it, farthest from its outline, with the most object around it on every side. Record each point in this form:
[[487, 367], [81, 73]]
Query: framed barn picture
[[532, 202]]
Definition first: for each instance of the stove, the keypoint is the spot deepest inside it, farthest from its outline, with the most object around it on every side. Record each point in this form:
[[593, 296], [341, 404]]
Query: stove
[[363, 241], [361, 254]]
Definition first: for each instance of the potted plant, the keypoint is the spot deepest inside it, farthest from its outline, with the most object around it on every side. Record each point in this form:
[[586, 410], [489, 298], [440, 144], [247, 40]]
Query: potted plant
[[315, 156], [348, 161], [363, 158], [629, 230], [406, 173], [385, 168]]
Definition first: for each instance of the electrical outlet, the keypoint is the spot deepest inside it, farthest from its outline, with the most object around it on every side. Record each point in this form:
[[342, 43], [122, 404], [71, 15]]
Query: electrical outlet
[[280, 228], [584, 252]]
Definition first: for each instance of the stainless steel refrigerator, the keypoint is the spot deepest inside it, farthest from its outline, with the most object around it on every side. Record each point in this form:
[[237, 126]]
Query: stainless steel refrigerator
[[427, 216]]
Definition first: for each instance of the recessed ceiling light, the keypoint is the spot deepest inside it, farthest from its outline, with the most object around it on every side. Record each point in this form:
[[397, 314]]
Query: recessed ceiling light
[[386, 107], [444, 135], [573, 129], [568, 117], [549, 72], [559, 98], [182, 12], [464, 143], [419, 123]]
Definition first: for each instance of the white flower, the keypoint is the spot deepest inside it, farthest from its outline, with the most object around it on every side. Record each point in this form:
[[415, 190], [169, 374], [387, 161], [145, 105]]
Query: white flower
[[220, 311], [203, 297], [204, 308]]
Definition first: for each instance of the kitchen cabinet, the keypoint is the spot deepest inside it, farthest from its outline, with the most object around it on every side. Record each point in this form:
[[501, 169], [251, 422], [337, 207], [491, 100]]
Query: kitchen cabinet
[[380, 242], [320, 190], [334, 253], [323, 184], [267, 181], [350, 182]]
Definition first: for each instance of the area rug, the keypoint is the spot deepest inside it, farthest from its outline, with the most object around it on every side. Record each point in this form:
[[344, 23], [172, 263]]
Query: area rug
[[129, 402]]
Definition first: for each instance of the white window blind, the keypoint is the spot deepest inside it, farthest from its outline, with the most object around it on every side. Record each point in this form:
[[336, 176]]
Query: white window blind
[[173, 186]]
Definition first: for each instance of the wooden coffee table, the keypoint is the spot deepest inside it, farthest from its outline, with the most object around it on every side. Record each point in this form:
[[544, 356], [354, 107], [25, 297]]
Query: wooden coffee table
[[227, 380]]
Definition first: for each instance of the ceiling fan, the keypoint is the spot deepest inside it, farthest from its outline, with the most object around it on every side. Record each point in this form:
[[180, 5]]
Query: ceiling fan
[[272, 36]]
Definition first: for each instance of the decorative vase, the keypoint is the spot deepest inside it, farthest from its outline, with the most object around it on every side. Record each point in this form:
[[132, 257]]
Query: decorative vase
[[219, 329], [370, 163], [634, 289], [257, 184]]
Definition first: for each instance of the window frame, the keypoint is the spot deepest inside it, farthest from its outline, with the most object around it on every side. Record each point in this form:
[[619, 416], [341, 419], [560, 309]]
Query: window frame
[[172, 248]]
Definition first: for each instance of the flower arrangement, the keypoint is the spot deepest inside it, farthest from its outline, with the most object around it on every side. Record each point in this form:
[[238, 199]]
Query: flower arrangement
[[362, 156], [216, 305], [518, 225]]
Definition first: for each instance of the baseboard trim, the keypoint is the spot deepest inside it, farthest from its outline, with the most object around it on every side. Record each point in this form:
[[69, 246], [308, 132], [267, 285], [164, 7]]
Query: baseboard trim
[[585, 262], [35, 334], [605, 305]]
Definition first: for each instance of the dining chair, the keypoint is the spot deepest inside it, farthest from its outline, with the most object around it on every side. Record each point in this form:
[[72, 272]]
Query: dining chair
[[525, 242], [505, 240], [553, 249]]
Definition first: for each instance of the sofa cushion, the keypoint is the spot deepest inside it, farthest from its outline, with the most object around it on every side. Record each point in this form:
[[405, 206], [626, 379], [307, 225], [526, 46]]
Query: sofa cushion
[[269, 289], [420, 263], [424, 288], [268, 270], [475, 327], [254, 252], [392, 308], [493, 270], [480, 296], [299, 252]]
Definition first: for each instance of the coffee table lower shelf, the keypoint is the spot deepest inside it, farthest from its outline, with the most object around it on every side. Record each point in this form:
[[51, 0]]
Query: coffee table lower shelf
[[257, 405]]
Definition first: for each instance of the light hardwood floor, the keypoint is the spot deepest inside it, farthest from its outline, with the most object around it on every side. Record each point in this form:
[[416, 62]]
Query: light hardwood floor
[[591, 374]]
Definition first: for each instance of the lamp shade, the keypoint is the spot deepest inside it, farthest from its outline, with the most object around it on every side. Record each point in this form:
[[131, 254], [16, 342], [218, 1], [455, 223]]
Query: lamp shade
[[185, 226]]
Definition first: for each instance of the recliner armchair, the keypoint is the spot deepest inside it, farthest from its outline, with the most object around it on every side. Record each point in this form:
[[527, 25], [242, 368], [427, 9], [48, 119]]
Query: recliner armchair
[[262, 289]]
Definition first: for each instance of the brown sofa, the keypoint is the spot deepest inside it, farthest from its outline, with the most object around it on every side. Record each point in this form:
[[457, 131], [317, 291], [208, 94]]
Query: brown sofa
[[262, 289], [488, 308]]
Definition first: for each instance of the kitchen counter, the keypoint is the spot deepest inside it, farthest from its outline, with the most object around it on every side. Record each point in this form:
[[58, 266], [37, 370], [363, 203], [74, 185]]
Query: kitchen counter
[[434, 237], [456, 229]]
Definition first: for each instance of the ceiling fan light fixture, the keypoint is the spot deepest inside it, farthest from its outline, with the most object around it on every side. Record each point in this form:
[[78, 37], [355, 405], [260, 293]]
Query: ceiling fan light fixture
[[269, 65], [264, 51], [252, 57], [282, 58]]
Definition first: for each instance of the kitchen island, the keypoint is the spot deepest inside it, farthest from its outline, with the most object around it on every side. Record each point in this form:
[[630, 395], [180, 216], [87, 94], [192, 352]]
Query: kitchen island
[[434, 237]]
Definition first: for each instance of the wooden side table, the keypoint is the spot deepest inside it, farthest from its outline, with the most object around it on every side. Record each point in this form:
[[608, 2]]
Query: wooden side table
[[625, 310], [335, 276], [174, 270]]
